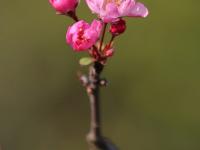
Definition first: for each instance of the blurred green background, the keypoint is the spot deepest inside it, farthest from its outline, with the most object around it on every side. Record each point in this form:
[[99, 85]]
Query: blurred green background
[[151, 103]]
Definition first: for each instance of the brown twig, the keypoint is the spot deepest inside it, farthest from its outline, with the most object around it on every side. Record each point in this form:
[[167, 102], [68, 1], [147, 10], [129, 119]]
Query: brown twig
[[93, 93], [72, 14], [111, 40], [92, 83], [102, 37]]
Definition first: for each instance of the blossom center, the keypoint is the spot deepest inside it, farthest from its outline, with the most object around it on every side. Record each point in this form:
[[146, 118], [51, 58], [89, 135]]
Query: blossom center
[[81, 38], [117, 2]]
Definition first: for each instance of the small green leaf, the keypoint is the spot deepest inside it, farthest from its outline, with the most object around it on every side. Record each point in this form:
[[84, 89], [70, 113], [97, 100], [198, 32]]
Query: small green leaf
[[86, 61]]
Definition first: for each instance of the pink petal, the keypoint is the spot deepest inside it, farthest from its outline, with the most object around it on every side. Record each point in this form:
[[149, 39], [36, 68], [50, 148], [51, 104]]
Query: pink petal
[[110, 13], [95, 5], [126, 7], [69, 35], [97, 25], [139, 10]]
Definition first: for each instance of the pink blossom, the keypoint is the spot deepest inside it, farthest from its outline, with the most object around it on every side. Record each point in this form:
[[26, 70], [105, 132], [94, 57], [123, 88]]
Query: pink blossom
[[64, 6], [81, 35], [111, 10]]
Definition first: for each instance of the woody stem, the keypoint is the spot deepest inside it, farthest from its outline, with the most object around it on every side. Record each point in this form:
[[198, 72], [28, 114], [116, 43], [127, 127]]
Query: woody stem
[[73, 15], [94, 136]]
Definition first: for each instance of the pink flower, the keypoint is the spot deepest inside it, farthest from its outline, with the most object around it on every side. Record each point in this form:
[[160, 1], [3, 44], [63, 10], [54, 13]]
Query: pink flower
[[111, 10], [82, 36], [64, 6]]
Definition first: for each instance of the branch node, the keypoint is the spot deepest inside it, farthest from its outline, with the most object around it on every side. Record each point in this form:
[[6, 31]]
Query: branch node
[[103, 82]]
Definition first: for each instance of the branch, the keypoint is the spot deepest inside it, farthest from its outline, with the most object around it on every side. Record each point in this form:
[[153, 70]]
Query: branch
[[92, 83], [72, 14]]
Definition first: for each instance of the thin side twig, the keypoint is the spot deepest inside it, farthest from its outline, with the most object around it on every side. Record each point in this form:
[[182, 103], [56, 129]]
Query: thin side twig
[[102, 37]]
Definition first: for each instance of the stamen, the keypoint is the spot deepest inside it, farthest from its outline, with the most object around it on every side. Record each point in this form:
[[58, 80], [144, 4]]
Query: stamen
[[118, 2]]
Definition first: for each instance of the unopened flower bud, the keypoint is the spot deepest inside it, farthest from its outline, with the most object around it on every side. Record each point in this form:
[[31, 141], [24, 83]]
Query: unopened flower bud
[[103, 82], [109, 52], [118, 27], [64, 6]]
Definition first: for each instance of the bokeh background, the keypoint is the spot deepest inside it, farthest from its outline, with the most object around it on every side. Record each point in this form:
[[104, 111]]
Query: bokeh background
[[151, 103]]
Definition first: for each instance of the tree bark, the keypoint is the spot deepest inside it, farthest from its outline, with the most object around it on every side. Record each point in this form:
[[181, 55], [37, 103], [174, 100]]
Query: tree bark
[[95, 139]]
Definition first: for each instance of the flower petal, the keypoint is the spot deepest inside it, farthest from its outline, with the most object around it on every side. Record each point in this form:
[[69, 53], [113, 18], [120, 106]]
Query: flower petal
[[111, 13], [97, 25], [126, 7], [138, 10], [69, 35], [95, 5]]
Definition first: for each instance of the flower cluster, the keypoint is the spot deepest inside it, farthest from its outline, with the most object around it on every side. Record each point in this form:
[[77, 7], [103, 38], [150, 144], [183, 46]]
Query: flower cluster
[[82, 36]]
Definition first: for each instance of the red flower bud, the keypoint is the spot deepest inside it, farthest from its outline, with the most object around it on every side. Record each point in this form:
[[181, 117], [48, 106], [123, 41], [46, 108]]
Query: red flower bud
[[118, 27], [108, 51]]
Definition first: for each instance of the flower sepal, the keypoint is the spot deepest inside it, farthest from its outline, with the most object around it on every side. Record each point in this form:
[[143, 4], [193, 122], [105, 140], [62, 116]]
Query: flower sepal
[[85, 61]]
